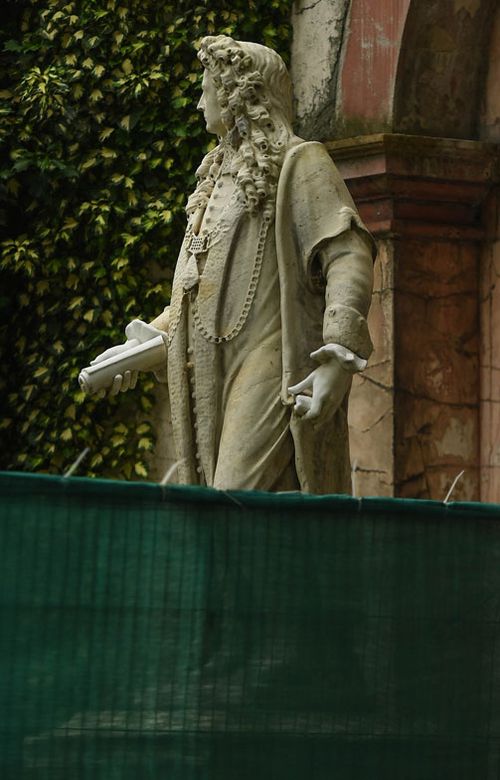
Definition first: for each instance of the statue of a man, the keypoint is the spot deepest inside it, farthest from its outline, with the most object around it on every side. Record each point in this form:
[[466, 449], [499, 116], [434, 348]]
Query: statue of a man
[[272, 286]]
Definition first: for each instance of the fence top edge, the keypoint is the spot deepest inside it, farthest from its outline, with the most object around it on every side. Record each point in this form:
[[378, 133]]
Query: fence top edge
[[108, 490]]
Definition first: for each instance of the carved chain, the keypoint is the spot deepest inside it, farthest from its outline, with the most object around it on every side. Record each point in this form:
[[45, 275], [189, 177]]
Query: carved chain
[[252, 288]]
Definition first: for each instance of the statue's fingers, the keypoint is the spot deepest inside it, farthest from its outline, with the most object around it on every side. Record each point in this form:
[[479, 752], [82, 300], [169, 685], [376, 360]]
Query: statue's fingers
[[117, 383], [133, 379], [320, 356], [126, 381], [104, 356], [108, 353], [302, 405], [315, 408], [304, 385]]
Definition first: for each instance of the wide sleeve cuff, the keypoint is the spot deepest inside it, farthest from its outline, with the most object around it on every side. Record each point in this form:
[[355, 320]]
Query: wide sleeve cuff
[[162, 321], [346, 326], [144, 331]]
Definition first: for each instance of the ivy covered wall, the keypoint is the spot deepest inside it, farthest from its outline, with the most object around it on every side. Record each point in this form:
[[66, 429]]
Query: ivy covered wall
[[98, 117]]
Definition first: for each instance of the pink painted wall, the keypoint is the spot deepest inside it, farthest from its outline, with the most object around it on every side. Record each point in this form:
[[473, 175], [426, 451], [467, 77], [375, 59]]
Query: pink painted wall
[[371, 59]]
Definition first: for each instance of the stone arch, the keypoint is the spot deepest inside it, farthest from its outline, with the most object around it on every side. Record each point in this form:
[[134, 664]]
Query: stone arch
[[442, 68]]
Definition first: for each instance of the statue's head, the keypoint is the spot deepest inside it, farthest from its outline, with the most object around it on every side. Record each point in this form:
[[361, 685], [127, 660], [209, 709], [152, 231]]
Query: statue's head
[[252, 82], [248, 101]]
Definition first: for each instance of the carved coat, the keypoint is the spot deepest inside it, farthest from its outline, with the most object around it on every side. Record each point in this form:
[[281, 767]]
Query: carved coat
[[243, 322]]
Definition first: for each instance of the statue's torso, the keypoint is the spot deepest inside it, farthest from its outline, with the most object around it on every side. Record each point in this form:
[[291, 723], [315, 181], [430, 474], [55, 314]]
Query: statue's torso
[[227, 305]]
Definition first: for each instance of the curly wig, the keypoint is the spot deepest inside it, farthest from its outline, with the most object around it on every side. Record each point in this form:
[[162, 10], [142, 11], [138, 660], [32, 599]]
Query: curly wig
[[255, 96]]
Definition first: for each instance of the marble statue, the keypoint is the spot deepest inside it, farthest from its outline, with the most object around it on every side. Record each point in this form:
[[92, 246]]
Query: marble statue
[[267, 320]]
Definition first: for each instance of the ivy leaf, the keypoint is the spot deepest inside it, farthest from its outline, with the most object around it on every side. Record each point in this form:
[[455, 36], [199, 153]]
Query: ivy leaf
[[127, 67], [140, 469]]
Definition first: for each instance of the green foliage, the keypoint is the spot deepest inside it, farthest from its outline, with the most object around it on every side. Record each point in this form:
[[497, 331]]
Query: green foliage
[[98, 114]]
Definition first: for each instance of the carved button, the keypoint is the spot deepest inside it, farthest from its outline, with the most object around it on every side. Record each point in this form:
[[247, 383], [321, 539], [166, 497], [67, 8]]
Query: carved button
[[195, 409], [197, 455], [190, 350], [189, 365], [199, 469]]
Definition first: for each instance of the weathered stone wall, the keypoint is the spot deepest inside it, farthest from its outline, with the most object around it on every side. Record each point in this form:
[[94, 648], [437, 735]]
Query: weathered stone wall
[[318, 34], [371, 409], [436, 369]]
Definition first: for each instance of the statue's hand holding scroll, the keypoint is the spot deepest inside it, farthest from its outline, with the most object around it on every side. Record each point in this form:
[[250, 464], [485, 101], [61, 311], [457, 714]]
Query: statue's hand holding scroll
[[116, 369], [127, 379]]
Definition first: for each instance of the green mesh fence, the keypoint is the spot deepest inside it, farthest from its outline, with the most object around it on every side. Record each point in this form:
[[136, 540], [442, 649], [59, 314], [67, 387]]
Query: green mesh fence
[[182, 633]]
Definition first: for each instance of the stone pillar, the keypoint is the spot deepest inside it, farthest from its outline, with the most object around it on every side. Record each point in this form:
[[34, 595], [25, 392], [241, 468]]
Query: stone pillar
[[490, 358], [318, 30], [490, 293], [416, 411]]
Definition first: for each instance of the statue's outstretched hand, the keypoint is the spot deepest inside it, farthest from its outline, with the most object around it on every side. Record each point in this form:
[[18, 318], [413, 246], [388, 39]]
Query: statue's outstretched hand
[[321, 393]]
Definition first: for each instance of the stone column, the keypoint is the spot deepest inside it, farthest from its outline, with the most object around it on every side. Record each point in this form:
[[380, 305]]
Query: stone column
[[415, 422], [318, 32], [490, 292], [490, 357]]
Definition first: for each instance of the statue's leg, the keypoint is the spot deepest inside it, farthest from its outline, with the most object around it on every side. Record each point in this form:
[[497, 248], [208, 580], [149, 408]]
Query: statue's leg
[[256, 447]]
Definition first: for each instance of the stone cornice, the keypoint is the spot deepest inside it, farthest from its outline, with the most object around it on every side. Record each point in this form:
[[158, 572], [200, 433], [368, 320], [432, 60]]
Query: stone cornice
[[417, 186]]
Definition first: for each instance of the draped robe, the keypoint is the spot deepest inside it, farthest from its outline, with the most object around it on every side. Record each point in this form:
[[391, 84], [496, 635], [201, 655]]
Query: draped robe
[[239, 336]]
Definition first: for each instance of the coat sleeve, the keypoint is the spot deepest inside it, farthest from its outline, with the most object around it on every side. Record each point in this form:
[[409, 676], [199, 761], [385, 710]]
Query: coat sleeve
[[335, 247], [162, 320], [347, 268]]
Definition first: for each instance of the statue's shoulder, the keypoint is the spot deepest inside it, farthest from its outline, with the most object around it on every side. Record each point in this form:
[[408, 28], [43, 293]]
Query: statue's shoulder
[[309, 153], [308, 161]]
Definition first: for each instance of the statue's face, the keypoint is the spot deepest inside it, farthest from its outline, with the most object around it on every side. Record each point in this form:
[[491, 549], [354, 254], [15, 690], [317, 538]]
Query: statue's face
[[209, 104]]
